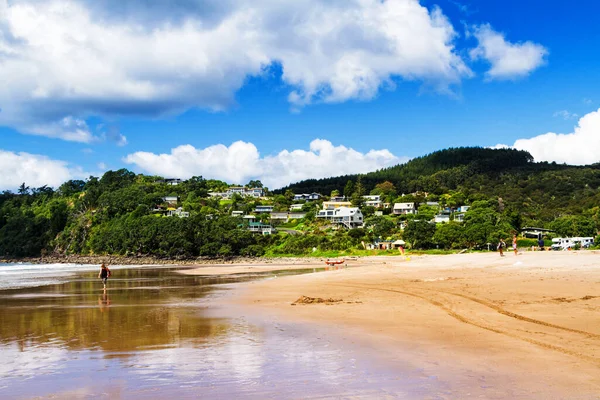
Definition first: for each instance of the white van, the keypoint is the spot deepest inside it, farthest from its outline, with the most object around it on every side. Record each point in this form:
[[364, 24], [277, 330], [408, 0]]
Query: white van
[[569, 243], [584, 242]]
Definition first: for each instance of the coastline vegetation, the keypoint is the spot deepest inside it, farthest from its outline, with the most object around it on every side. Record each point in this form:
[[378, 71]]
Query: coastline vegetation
[[122, 213]]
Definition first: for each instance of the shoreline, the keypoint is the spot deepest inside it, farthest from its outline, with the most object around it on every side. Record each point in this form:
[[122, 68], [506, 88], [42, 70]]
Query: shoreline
[[147, 260], [504, 320]]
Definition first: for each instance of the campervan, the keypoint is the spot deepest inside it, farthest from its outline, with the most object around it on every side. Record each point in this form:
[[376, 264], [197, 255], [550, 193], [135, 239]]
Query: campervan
[[569, 243], [561, 243], [584, 242]]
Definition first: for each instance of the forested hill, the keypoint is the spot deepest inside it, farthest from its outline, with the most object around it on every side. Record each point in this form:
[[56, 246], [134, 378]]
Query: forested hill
[[124, 213], [436, 172]]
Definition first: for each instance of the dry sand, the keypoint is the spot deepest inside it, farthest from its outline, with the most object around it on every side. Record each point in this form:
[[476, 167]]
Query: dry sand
[[517, 326]]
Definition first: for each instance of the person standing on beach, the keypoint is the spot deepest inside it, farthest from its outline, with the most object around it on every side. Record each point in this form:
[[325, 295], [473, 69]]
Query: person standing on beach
[[104, 274], [501, 246], [541, 244], [514, 244]]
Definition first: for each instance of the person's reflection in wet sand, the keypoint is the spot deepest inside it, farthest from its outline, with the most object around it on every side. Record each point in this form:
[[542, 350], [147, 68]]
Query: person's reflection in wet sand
[[104, 301]]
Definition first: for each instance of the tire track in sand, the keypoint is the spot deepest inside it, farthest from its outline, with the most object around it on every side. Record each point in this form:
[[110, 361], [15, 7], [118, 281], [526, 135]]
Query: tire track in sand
[[490, 328], [518, 316]]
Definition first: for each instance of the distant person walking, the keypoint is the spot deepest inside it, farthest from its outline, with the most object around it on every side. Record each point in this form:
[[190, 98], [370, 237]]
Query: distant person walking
[[501, 246], [514, 244], [541, 244], [104, 274]]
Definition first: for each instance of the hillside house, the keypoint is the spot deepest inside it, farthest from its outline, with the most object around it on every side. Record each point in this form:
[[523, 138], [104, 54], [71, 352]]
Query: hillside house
[[350, 217], [307, 196], [404, 208], [460, 217], [296, 215], [170, 181], [263, 209], [463, 209], [373, 201], [279, 217], [240, 190], [171, 200], [441, 218], [332, 205], [254, 192], [178, 213], [337, 198], [256, 226], [237, 213], [296, 207]]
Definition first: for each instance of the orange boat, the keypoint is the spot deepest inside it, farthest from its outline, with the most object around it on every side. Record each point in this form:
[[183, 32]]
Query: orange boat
[[334, 262]]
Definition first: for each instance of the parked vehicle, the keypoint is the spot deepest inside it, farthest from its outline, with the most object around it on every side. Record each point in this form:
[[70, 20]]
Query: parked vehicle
[[570, 243]]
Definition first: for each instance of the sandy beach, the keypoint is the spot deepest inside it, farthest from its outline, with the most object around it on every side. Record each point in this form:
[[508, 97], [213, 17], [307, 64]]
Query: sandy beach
[[497, 327]]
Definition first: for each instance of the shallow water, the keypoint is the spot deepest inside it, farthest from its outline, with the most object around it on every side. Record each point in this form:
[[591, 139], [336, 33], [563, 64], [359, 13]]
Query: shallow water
[[155, 333]]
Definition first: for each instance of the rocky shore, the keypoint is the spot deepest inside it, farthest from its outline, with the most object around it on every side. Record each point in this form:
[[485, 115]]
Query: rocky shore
[[137, 260]]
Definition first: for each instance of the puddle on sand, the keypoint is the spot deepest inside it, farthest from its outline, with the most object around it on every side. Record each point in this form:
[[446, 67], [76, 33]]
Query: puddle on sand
[[73, 340]]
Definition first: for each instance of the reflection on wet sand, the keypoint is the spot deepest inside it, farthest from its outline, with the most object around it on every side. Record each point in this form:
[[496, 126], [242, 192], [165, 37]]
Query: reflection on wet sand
[[104, 301], [153, 334], [137, 319]]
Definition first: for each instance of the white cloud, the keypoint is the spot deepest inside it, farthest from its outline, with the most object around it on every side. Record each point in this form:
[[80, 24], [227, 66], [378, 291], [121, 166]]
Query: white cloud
[[241, 162], [508, 60], [577, 148], [564, 114], [66, 60], [35, 170]]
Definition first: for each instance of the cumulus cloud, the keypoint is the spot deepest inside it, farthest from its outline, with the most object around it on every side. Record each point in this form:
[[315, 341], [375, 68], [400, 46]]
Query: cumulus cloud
[[63, 61], [508, 60], [241, 162], [35, 170], [577, 148]]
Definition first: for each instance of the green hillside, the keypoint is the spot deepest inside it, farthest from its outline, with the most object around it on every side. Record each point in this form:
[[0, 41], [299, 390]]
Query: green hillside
[[123, 213], [541, 192]]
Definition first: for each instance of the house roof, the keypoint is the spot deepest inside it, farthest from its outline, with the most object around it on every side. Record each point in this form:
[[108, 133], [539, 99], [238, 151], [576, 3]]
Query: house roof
[[346, 211]]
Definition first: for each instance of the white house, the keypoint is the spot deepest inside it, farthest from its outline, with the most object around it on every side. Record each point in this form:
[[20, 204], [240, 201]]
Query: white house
[[254, 192], [296, 215], [350, 217], [404, 208], [244, 192], [170, 181], [463, 209], [178, 213], [237, 213], [296, 207], [279, 216], [171, 200], [459, 217], [373, 201], [307, 196], [331, 205], [441, 219], [263, 209]]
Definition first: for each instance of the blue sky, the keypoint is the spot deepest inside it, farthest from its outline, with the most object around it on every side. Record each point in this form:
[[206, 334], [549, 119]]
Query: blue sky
[[239, 90]]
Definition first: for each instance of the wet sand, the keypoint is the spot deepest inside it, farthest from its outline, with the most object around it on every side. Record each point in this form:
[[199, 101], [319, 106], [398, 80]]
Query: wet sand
[[158, 334], [525, 326], [247, 268]]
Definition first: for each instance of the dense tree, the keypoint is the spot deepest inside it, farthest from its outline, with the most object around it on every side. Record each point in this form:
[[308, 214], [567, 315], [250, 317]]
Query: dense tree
[[419, 234], [450, 236], [349, 189]]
